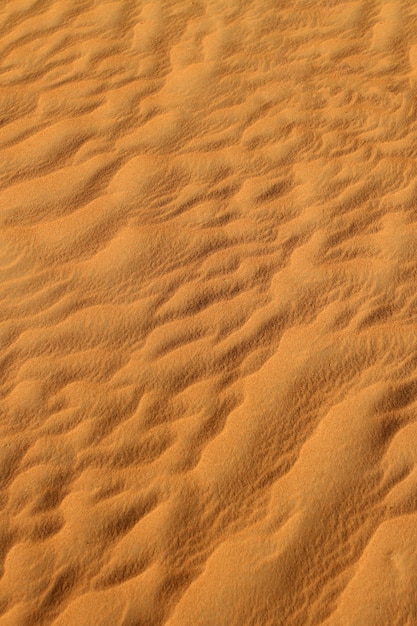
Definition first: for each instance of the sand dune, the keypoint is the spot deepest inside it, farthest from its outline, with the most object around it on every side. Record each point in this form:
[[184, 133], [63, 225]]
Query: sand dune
[[208, 309]]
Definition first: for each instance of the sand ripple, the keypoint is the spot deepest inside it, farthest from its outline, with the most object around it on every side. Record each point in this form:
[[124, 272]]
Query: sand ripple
[[208, 243]]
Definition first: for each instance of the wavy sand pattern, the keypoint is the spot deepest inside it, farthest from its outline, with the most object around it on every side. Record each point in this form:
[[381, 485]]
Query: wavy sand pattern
[[208, 262]]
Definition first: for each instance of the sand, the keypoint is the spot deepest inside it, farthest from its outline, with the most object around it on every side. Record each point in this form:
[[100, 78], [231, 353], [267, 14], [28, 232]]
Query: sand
[[208, 313]]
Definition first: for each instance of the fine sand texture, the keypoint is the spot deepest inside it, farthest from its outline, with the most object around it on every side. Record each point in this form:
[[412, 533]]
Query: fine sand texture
[[208, 313]]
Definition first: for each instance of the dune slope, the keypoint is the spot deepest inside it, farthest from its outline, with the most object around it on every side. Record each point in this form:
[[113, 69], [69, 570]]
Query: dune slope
[[208, 244]]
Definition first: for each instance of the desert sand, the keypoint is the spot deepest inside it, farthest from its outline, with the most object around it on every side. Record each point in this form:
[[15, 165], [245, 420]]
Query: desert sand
[[208, 313]]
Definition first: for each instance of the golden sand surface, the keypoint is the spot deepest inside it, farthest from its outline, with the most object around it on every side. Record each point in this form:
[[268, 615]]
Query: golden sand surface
[[208, 313]]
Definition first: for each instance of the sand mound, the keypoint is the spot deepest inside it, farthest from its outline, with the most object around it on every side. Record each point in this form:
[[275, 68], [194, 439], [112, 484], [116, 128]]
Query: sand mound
[[208, 243]]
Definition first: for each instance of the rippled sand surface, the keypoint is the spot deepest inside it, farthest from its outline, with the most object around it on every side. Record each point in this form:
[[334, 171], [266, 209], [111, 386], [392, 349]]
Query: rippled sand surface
[[208, 313]]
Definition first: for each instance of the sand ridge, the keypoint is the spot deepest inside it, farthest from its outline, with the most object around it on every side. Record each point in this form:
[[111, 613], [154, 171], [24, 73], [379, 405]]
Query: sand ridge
[[208, 245]]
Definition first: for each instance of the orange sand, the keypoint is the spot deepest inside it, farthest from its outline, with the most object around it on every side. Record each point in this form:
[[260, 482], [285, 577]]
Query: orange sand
[[208, 320]]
